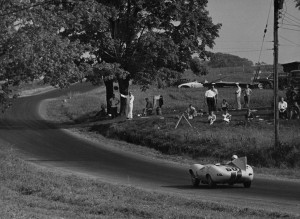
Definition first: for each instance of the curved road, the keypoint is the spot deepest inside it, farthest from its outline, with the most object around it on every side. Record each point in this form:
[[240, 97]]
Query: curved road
[[48, 144]]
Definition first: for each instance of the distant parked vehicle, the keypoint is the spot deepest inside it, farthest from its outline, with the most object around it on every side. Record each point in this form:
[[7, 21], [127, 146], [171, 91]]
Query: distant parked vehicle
[[294, 78], [268, 82], [194, 84]]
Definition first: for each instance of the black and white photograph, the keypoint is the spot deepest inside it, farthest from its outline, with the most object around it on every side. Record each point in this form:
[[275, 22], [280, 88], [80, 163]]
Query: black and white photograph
[[149, 109]]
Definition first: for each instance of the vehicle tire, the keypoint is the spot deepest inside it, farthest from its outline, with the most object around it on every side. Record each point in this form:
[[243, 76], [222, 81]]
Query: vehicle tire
[[195, 181], [210, 182], [247, 184]]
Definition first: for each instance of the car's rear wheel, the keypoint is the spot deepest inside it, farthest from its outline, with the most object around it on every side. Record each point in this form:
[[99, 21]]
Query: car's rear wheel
[[210, 182], [247, 184], [195, 181]]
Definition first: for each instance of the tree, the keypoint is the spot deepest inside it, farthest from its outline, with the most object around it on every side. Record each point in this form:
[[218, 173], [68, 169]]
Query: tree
[[142, 36], [31, 48], [197, 67]]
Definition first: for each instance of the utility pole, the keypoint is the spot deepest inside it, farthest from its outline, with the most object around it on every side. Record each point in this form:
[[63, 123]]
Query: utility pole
[[278, 4]]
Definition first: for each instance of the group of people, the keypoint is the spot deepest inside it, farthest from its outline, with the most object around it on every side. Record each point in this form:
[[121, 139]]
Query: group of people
[[211, 100], [114, 102], [148, 110]]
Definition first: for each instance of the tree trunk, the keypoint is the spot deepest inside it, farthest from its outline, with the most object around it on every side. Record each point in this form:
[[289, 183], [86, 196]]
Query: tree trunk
[[109, 85], [123, 88]]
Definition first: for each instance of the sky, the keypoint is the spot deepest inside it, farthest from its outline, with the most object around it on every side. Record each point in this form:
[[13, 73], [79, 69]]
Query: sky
[[243, 24]]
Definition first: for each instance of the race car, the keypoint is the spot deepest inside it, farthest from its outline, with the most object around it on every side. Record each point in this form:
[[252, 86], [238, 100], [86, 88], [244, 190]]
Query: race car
[[236, 171]]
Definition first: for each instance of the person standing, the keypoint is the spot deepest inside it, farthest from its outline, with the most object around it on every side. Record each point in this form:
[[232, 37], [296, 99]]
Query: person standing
[[149, 108], [238, 96], [129, 105], [114, 105], [216, 92], [282, 107], [247, 93], [210, 100]]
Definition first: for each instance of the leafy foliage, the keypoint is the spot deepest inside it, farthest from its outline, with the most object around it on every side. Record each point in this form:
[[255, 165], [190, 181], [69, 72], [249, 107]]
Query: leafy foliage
[[197, 67]]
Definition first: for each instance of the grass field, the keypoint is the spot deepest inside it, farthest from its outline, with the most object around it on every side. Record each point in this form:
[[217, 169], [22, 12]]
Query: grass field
[[204, 142], [30, 191]]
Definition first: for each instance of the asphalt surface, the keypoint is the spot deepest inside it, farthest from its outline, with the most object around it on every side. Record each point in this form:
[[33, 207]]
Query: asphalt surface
[[48, 144]]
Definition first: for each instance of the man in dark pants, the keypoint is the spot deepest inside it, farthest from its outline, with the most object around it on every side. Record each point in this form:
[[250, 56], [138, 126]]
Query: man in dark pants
[[210, 100], [114, 106]]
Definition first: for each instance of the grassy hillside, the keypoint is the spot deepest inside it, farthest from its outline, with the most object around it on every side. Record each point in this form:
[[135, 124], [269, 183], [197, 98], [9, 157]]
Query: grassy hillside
[[216, 142]]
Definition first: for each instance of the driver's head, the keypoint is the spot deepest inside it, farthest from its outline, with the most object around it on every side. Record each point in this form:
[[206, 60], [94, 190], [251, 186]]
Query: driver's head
[[234, 157]]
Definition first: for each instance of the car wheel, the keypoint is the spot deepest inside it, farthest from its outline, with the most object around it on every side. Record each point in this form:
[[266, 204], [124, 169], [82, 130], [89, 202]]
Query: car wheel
[[247, 184], [195, 181], [210, 182]]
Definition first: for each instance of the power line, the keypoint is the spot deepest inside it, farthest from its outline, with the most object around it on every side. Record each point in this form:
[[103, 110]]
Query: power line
[[289, 40], [290, 29], [254, 50], [239, 41], [288, 45], [265, 31], [293, 16], [294, 25], [291, 19]]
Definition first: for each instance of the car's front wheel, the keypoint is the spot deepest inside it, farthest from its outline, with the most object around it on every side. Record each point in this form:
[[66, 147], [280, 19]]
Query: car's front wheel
[[210, 182], [247, 184]]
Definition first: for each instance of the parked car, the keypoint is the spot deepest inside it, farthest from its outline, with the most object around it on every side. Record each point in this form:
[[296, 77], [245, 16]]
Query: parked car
[[194, 84], [268, 82], [294, 78]]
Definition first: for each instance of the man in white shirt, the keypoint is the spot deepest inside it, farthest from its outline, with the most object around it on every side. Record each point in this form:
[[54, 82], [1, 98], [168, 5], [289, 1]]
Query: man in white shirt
[[210, 100], [129, 105], [238, 96], [282, 107], [217, 93]]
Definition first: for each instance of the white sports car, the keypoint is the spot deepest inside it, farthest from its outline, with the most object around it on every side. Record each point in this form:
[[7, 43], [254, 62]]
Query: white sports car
[[194, 84], [233, 172]]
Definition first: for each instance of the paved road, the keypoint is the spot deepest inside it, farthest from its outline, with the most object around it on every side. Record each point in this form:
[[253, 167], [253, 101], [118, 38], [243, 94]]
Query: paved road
[[48, 144]]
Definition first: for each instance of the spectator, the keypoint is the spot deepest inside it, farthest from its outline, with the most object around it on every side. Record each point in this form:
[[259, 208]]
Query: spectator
[[191, 111], [114, 105], [212, 118], [210, 100], [129, 105], [224, 106], [160, 101], [149, 108], [102, 112], [238, 96], [282, 107], [216, 92], [247, 92], [249, 115]]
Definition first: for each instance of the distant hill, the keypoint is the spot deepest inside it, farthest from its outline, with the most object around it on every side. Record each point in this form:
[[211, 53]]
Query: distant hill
[[221, 60]]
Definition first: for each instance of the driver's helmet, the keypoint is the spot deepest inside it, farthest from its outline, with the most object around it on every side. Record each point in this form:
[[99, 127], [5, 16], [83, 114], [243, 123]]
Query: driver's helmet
[[234, 157]]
